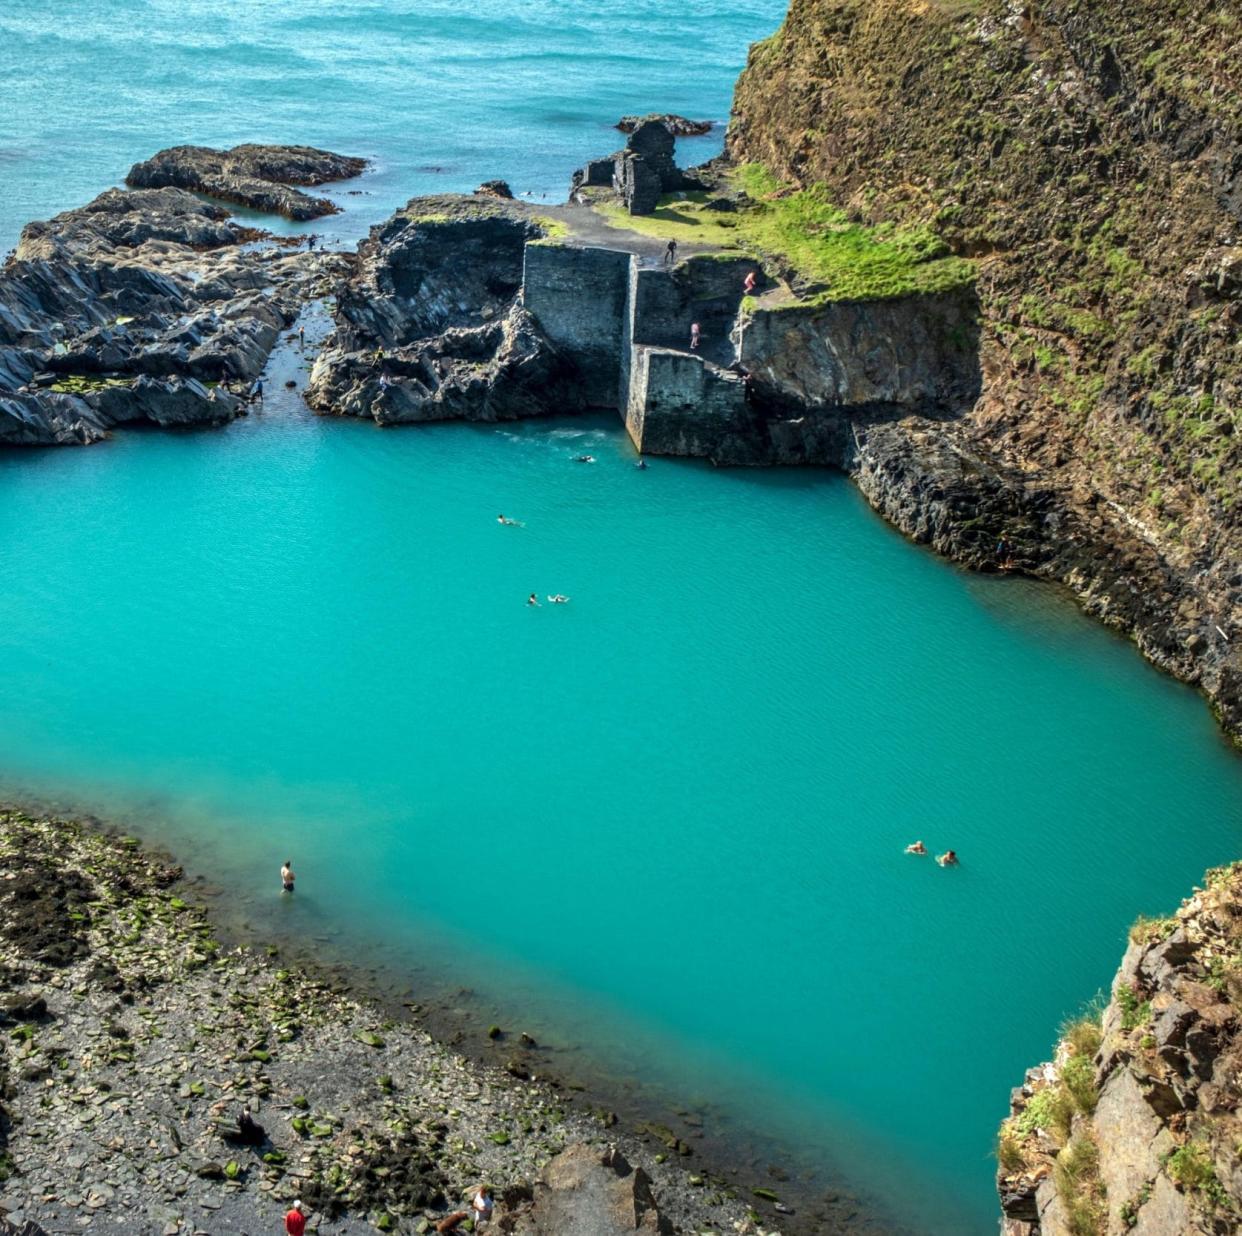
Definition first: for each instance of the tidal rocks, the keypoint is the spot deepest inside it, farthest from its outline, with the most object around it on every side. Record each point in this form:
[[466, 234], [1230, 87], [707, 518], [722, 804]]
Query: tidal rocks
[[495, 188], [147, 305], [678, 126], [430, 327], [260, 177]]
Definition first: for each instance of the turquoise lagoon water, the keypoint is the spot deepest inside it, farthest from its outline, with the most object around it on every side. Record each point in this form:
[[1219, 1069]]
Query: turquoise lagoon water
[[665, 820]]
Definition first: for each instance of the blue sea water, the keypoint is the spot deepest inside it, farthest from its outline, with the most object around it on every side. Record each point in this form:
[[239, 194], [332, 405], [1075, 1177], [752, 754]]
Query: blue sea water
[[440, 94], [665, 820]]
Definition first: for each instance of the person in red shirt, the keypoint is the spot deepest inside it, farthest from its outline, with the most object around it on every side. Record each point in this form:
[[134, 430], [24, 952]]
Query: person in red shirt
[[295, 1220]]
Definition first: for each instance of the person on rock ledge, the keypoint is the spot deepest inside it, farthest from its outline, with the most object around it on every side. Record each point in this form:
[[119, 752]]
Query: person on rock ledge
[[481, 1204], [695, 335], [670, 254], [295, 1220]]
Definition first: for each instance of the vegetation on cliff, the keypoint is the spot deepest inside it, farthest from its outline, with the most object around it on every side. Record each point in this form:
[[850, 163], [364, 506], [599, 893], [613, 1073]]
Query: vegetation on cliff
[[1134, 1126], [814, 245]]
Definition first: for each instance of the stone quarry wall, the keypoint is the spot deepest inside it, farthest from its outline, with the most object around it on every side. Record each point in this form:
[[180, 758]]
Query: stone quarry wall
[[815, 371], [913, 351], [579, 297], [705, 288], [682, 405]]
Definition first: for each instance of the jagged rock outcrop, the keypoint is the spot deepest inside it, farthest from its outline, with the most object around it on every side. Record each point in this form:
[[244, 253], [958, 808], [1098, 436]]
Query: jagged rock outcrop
[[431, 327], [140, 306], [678, 126], [1090, 158], [583, 1192], [261, 177], [1134, 1127]]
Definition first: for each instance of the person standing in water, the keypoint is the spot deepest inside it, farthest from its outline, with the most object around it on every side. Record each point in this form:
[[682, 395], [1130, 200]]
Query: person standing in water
[[695, 335], [301, 336], [256, 391], [286, 875]]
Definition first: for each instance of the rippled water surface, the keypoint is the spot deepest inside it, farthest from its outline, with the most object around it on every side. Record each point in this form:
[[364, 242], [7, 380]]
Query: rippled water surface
[[666, 819]]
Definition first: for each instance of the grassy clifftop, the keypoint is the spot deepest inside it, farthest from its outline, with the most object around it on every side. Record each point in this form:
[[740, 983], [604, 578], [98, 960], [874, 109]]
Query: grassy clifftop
[[1089, 156]]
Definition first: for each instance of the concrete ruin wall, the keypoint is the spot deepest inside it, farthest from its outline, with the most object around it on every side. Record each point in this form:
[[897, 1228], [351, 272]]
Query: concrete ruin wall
[[704, 289], [579, 297], [681, 405]]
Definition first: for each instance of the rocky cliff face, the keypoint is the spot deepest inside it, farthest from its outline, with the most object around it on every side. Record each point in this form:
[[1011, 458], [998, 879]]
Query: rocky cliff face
[[431, 326], [1134, 1126], [1089, 158]]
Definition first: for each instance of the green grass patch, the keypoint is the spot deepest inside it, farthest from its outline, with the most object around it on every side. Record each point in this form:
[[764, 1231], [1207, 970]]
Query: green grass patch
[[1077, 1176], [804, 233], [1051, 1109], [553, 229], [1134, 1012], [1146, 930], [684, 219], [1190, 1166]]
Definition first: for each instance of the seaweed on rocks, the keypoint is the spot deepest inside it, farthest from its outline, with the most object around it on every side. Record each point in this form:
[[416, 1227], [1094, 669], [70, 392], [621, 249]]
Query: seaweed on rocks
[[388, 1173], [45, 911]]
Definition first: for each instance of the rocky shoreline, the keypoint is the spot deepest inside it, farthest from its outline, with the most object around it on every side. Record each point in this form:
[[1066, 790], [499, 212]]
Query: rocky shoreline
[[134, 1036]]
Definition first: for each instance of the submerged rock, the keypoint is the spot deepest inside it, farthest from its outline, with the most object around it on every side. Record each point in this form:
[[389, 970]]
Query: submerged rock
[[260, 177]]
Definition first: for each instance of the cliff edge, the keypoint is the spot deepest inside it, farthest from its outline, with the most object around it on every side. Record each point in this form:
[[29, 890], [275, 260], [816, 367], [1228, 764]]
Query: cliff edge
[[1134, 1126], [1088, 159]]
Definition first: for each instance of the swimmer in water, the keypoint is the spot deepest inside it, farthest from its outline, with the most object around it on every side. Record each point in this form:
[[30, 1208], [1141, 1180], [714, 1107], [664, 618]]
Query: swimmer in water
[[533, 600], [559, 599], [585, 459], [947, 859], [510, 523], [641, 464], [917, 848]]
